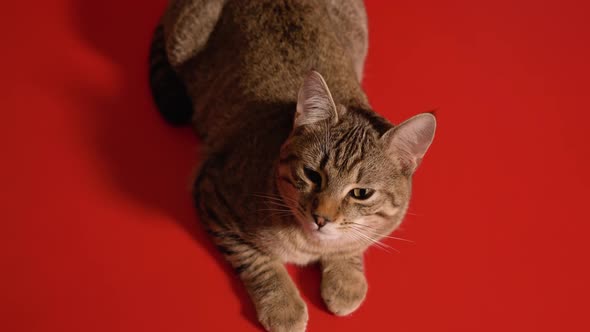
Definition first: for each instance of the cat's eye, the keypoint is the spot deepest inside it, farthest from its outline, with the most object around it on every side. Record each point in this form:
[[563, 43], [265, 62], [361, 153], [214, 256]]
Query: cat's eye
[[313, 176], [361, 193]]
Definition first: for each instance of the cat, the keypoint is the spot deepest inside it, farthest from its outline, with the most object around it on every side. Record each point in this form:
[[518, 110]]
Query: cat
[[297, 167]]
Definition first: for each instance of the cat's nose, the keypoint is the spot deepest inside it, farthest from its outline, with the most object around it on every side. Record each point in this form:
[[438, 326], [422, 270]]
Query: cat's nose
[[320, 220]]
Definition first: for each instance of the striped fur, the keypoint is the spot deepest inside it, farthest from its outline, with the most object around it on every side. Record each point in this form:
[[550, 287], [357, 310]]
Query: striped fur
[[245, 66]]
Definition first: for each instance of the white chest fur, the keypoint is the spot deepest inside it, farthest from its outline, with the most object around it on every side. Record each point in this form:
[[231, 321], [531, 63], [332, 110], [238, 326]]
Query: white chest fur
[[292, 248]]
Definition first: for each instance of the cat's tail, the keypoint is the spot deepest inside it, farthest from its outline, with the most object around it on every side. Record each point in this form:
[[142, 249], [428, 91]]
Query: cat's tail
[[168, 91]]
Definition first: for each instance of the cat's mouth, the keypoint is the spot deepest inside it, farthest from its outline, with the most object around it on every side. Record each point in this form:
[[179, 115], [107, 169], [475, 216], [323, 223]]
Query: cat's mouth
[[325, 233]]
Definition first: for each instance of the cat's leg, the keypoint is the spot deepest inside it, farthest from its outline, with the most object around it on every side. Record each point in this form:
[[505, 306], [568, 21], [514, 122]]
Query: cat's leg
[[343, 283], [168, 90], [278, 304], [187, 26], [182, 33]]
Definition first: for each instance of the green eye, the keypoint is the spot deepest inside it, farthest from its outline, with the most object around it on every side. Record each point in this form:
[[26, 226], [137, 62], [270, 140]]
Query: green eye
[[361, 193]]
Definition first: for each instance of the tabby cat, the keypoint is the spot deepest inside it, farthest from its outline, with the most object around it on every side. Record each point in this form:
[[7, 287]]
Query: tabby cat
[[297, 166]]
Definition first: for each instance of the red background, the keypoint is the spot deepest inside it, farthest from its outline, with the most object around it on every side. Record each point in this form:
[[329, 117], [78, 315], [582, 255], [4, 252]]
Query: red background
[[98, 228]]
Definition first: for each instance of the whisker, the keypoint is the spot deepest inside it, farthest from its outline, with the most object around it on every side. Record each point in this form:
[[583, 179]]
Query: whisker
[[276, 215], [275, 197], [371, 240], [274, 210], [376, 243], [278, 204], [372, 231]]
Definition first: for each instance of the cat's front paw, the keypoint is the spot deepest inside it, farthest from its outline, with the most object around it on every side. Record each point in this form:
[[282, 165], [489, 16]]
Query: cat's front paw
[[283, 314], [343, 293]]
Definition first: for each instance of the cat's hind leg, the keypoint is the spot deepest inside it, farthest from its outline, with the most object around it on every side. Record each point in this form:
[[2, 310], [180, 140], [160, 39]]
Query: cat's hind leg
[[168, 90], [181, 34], [187, 27]]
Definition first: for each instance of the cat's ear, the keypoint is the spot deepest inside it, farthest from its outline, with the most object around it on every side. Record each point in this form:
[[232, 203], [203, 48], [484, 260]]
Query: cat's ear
[[314, 102], [410, 140]]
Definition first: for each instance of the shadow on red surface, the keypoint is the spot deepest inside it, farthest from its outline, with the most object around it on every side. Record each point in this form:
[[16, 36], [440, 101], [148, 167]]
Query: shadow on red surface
[[152, 169]]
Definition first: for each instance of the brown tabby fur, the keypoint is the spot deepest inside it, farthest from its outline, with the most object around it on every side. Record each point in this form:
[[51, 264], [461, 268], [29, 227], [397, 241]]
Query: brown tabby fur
[[245, 66]]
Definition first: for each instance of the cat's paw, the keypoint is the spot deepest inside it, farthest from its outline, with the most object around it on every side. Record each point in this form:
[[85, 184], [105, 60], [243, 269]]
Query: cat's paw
[[343, 293], [283, 314]]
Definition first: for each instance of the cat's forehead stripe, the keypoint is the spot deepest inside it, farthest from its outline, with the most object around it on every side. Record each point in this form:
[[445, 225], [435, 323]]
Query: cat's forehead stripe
[[324, 160], [359, 174], [352, 151]]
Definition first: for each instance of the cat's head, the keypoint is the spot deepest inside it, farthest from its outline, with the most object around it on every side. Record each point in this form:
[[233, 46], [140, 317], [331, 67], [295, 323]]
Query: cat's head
[[345, 175]]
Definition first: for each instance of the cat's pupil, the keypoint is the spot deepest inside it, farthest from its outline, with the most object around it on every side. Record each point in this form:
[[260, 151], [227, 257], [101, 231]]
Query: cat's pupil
[[361, 193], [313, 176]]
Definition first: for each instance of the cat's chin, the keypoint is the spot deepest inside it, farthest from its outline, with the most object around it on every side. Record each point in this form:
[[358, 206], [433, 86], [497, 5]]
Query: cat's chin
[[318, 235]]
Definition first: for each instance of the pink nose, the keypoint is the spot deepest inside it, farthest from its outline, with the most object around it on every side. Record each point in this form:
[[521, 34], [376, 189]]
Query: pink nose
[[320, 221]]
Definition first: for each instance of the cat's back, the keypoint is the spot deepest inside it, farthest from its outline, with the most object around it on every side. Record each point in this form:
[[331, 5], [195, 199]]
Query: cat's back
[[261, 50], [279, 41]]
